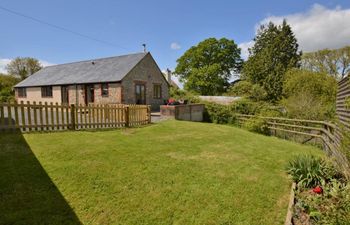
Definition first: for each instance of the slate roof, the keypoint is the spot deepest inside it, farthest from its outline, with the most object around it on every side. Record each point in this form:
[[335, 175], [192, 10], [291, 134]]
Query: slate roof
[[110, 69]]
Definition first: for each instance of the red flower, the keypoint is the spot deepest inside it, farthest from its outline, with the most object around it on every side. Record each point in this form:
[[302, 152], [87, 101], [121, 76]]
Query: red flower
[[317, 190], [171, 100]]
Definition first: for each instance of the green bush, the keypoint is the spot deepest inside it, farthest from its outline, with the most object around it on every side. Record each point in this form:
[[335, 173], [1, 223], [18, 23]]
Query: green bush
[[225, 114], [179, 94], [7, 94], [245, 106], [309, 95], [217, 113], [241, 88], [257, 125], [309, 171], [6, 87]]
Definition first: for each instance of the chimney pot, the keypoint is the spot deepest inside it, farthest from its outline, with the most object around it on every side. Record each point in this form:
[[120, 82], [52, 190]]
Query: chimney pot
[[168, 75]]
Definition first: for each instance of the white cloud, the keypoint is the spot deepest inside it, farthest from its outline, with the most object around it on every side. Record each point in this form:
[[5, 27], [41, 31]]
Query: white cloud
[[46, 63], [175, 46], [315, 29], [177, 81], [244, 48], [5, 61], [318, 28]]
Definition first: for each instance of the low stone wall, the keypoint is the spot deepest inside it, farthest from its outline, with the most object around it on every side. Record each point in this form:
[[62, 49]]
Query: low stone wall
[[191, 112]]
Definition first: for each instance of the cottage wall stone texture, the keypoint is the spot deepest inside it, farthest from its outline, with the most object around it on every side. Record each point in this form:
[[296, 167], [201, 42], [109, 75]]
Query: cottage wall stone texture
[[72, 91], [146, 72], [114, 94], [34, 94]]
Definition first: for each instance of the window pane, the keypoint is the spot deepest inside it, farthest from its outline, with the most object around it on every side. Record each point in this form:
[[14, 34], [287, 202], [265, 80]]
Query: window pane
[[22, 92], [46, 91], [104, 90], [157, 90]]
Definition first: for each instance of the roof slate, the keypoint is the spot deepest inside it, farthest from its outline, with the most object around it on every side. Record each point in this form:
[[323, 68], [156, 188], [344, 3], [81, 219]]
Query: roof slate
[[110, 69]]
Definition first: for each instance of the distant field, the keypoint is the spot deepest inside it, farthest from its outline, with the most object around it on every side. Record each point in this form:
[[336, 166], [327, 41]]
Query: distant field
[[172, 172]]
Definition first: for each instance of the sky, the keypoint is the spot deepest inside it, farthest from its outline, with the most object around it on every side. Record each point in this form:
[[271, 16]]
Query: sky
[[90, 29]]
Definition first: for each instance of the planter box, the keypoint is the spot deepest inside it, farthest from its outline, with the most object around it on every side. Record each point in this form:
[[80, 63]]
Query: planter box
[[289, 217]]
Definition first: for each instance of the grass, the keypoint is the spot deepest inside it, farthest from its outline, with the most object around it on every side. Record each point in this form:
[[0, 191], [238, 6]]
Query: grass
[[168, 173]]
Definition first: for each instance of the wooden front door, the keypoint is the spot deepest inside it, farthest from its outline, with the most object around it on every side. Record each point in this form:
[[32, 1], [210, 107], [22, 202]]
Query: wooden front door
[[140, 94], [89, 94]]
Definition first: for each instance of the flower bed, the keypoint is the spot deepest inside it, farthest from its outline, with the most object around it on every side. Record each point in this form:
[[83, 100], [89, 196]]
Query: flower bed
[[322, 194]]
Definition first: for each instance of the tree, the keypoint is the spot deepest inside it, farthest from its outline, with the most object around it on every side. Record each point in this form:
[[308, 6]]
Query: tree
[[274, 52], [246, 89], [207, 67], [309, 95], [334, 62], [6, 87], [23, 67]]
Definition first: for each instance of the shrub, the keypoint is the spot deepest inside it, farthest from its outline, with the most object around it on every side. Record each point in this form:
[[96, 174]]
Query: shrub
[[309, 95], [6, 91], [246, 89], [217, 113], [179, 94], [245, 106], [309, 171], [241, 88], [257, 125]]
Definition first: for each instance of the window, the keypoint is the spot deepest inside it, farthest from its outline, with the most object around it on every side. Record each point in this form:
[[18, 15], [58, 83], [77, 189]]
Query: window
[[140, 94], [104, 90], [22, 92], [157, 91], [46, 92]]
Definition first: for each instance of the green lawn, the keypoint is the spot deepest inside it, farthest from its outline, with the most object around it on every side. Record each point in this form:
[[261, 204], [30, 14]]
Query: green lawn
[[168, 173]]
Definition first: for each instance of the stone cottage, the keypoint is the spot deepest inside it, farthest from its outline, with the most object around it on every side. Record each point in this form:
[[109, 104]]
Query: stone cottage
[[127, 79]]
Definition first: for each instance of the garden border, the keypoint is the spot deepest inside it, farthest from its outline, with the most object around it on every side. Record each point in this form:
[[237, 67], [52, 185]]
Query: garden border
[[289, 217]]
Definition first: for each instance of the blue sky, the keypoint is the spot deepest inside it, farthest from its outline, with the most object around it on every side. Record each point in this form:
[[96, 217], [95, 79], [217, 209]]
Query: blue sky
[[168, 27]]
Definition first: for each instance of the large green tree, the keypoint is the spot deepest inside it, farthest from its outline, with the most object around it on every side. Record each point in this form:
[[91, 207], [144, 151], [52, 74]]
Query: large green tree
[[309, 95], [274, 52], [207, 67], [23, 67], [335, 62]]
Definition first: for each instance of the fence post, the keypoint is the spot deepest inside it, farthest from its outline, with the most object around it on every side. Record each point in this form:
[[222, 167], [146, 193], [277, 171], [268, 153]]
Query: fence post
[[127, 122], [190, 112], [149, 114], [72, 116]]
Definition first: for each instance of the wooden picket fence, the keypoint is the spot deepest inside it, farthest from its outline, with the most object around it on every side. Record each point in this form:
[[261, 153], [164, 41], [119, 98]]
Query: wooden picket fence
[[52, 117]]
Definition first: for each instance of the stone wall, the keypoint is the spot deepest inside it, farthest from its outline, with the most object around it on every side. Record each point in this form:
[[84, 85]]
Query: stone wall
[[146, 72], [114, 94], [72, 91], [34, 94]]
